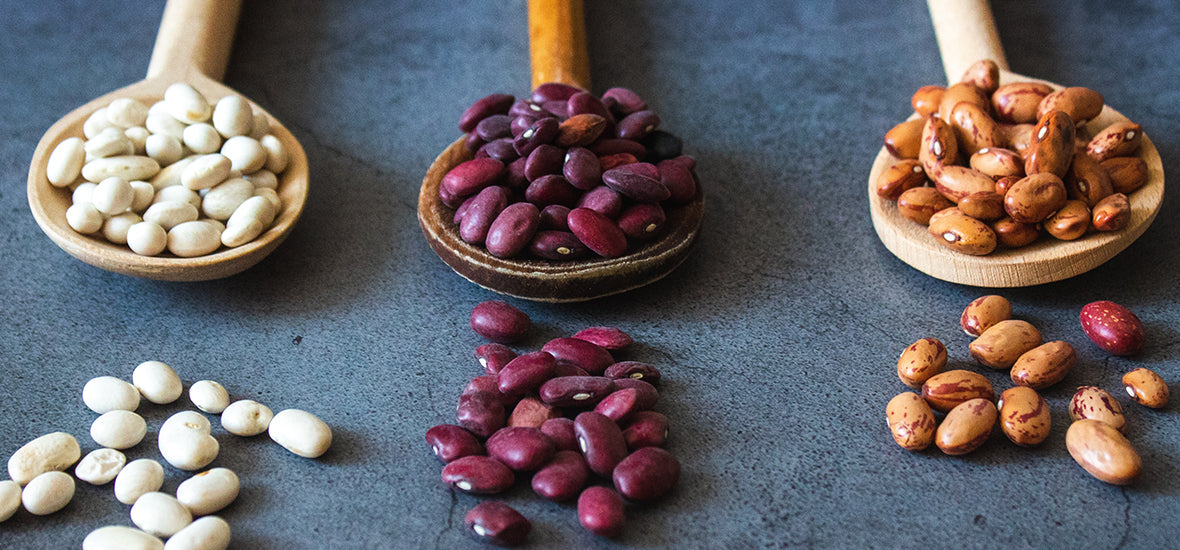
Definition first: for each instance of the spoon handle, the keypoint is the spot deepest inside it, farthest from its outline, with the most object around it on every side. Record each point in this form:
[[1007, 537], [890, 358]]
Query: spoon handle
[[557, 43], [195, 35], [966, 33]]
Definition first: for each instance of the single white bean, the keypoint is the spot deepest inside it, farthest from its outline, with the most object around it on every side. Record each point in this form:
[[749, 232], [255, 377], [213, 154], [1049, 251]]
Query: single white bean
[[137, 478], [276, 153], [83, 192], [169, 214], [109, 143], [159, 107], [9, 498], [209, 396], [263, 178], [163, 124], [138, 136], [107, 393], [48, 493], [126, 112], [246, 418], [178, 193], [128, 167], [112, 195], [100, 466], [51, 452], [95, 123], [186, 421], [246, 153], [191, 239], [202, 138], [207, 533], [157, 382], [186, 104], [253, 208], [221, 201], [188, 450], [118, 429], [271, 196], [115, 227], [261, 125], [300, 432], [84, 218], [147, 238], [208, 491], [206, 171], [65, 162], [164, 148], [160, 514], [144, 193], [232, 116], [120, 537], [242, 233], [169, 176]]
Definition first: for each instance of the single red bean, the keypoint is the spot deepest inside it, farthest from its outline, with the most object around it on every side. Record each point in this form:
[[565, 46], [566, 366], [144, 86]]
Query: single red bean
[[582, 168], [494, 104], [558, 108], [543, 161], [499, 149], [561, 432], [648, 393], [576, 391], [609, 338], [462, 210], [645, 169], [492, 357], [481, 413], [521, 448], [637, 125], [553, 91], [494, 127], [551, 189], [478, 475], [625, 101], [1112, 327], [468, 178], [598, 233], [499, 322], [563, 477], [514, 228], [482, 210], [514, 177], [614, 161], [646, 429], [497, 523], [491, 384], [600, 441], [676, 175], [604, 200], [600, 510], [592, 357], [610, 146], [450, 442], [622, 403], [524, 107], [646, 474], [635, 185], [554, 217], [633, 369], [587, 103], [642, 221], [473, 142], [520, 124], [540, 132], [557, 245], [531, 412], [526, 373]]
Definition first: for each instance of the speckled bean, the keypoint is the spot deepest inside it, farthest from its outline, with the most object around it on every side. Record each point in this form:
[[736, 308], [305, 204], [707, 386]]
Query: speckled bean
[[1111, 213], [900, 177], [1104, 452], [920, 203], [1001, 345], [966, 427], [911, 421], [946, 390], [904, 140], [920, 361], [1127, 174], [1080, 104], [1024, 416], [964, 234], [1044, 365], [1095, 403], [1112, 327], [1146, 387], [1069, 222], [1051, 149]]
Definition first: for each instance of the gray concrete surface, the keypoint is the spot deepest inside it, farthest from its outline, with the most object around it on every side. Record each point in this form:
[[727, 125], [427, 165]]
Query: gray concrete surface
[[777, 338]]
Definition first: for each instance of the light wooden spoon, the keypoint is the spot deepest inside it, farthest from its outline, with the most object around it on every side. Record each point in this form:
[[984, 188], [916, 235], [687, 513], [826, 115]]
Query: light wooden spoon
[[557, 44], [193, 46], [966, 33]]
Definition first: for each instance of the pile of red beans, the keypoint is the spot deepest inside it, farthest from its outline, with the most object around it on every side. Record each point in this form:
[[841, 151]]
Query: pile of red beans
[[566, 175], [569, 415]]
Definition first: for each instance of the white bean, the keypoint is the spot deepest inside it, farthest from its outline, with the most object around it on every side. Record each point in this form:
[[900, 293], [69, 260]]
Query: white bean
[[202, 138], [164, 148], [109, 143], [157, 382], [115, 227], [147, 238], [126, 112], [54, 451], [9, 498], [119, 537], [65, 162], [185, 442], [160, 514], [144, 193], [206, 171], [276, 153], [161, 123], [208, 491], [246, 418], [48, 493], [207, 533], [138, 478], [112, 195], [169, 214], [254, 208], [232, 116], [186, 104], [209, 396], [246, 153], [261, 125], [178, 193], [191, 239], [128, 167], [100, 466], [84, 218], [186, 421], [138, 136], [242, 233], [83, 192], [158, 107], [271, 196], [107, 393], [95, 123], [300, 432], [263, 179], [118, 429], [221, 201], [169, 176]]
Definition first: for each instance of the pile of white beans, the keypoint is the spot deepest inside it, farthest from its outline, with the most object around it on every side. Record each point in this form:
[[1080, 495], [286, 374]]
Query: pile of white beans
[[185, 442], [181, 175]]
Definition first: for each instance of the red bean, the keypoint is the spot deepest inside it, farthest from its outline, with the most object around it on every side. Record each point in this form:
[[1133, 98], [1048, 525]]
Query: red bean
[[481, 413], [600, 510], [586, 103], [497, 523], [524, 107], [514, 177], [520, 448], [462, 210], [632, 369], [526, 373], [494, 127], [637, 125], [481, 211], [492, 357], [568, 369], [635, 185], [592, 357], [646, 474], [576, 391], [604, 200], [600, 441], [470, 177], [514, 228], [491, 384], [499, 149], [614, 161], [645, 169], [494, 104], [609, 146], [520, 124], [646, 429], [563, 477], [554, 217], [641, 222], [620, 404], [499, 322], [557, 245], [582, 168], [540, 132], [478, 475], [551, 189], [625, 100], [473, 142], [648, 394], [561, 432], [543, 161], [553, 91], [677, 176], [609, 338], [557, 107], [531, 412], [450, 442]]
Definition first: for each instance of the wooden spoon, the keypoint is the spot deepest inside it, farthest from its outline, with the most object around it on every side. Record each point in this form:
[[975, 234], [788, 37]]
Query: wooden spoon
[[557, 43], [967, 33], [193, 46]]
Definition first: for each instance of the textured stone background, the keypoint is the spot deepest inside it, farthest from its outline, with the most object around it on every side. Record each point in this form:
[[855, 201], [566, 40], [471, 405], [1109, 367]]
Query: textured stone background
[[777, 338]]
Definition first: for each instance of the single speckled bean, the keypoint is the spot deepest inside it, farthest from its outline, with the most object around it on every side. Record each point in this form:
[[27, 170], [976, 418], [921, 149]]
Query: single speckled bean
[[1024, 416], [450, 442], [1051, 149], [1044, 365], [1126, 173], [561, 432], [48, 493], [300, 432], [119, 537], [481, 412], [1080, 104], [1087, 181], [1112, 213], [964, 234], [1104, 452], [138, 478], [492, 357], [983, 205], [499, 322], [1097, 404], [899, 178], [531, 412], [576, 391], [983, 313], [520, 448], [526, 373], [1146, 387], [966, 427], [633, 369], [246, 418], [589, 356], [1069, 222], [1001, 345], [600, 510], [946, 390], [920, 361], [479, 475], [513, 229], [497, 523], [600, 441], [208, 491], [563, 477], [1017, 102], [1112, 327], [911, 421], [646, 474], [646, 429], [51, 452], [920, 203]]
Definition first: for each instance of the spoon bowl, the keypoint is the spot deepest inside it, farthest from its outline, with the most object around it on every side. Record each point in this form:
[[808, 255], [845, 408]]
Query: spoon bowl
[[183, 53]]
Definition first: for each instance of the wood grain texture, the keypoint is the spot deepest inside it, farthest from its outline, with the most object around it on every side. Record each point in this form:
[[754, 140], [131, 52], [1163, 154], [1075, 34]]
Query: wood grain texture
[[557, 43], [966, 32]]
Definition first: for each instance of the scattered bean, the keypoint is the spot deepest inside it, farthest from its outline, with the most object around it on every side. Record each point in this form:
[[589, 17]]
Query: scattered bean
[[1001, 345], [600, 510], [497, 523], [208, 491], [1024, 416], [1095, 403], [478, 475], [138, 478], [947, 390], [911, 421], [1044, 365], [51, 452], [966, 426], [499, 322], [118, 429], [100, 466], [1146, 388], [207, 533], [300, 432], [1112, 327], [983, 313], [1104, 452], [920, 361], [119, 537], [107, 393], [646, 429], [160, 514], [209, 396], [246, 418], [157, 382], [601, 442], [563, 478], [9, 498], [48, 493], [646, 474]]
